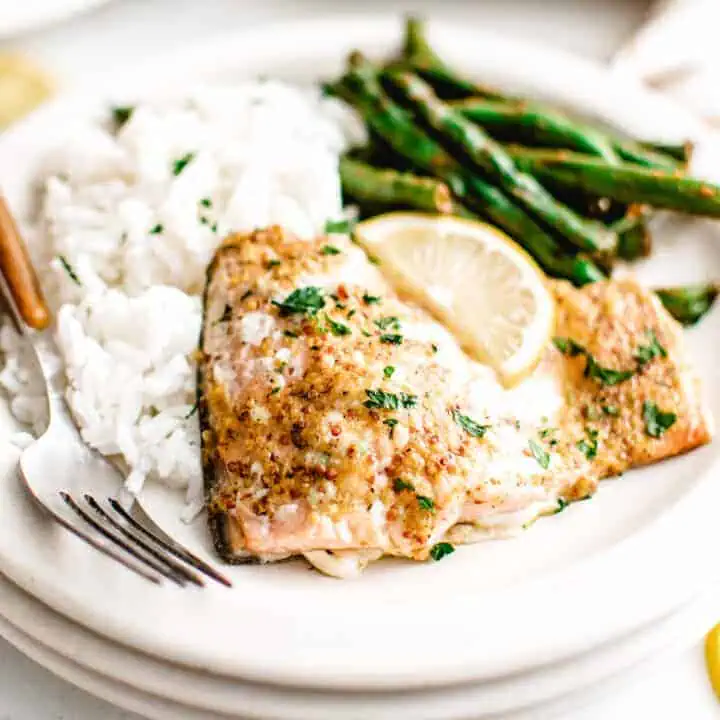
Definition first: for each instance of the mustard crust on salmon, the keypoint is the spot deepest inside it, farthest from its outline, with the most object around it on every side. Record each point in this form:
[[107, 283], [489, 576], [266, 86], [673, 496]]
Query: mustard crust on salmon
[[342, 423]]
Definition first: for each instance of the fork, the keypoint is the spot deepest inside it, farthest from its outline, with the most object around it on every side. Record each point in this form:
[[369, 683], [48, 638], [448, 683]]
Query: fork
[[61, 472]]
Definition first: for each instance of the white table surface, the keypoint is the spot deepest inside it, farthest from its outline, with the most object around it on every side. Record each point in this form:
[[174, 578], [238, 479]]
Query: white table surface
[[125, 29]]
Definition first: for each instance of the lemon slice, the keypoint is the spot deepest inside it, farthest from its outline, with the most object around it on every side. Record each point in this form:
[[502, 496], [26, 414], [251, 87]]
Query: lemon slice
[[23, 86], [474, 279]]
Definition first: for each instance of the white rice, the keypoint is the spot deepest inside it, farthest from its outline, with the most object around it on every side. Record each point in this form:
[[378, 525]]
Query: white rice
[[139, 237]]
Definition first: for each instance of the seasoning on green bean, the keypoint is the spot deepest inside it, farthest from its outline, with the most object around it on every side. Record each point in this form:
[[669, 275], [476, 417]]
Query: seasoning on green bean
[[626, 183], [490, 158], [419, 56], [519, 120], [361, 88], [389, 187]]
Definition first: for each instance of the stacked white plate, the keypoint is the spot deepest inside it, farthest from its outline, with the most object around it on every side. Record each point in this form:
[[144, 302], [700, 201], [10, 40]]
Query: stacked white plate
[[164, 691], [492, 631]]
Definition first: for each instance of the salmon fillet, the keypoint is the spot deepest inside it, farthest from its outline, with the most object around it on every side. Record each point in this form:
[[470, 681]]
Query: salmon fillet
[[622, 364], [342, 423], [620, 324]]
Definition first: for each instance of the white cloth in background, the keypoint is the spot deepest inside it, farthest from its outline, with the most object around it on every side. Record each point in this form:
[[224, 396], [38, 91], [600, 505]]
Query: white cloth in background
[[678, 51]]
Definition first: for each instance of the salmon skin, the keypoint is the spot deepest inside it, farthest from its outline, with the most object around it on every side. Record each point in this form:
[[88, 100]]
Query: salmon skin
[[342, 423]]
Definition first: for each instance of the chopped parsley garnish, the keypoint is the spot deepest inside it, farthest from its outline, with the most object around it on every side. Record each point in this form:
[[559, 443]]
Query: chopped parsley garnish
[[329, 250], [434, 347], [547, 432], [388, 322], [381, 400], [388, 371], [540, 455], [337, 328], [657, 421], [371, 299], [391, 423], [214, 227], [290, 334], [69, 269], [469, 425], [603, 375], [206, 202], [157, 229], [400, 485], [275, 390], [391, 339], [182, 163], [561, 505], [272, 264], [611, 410], [589, 446], [365, 333], [341, 227], [193, 410], [407, 400], [373, 260], [426, 503], [351, 313], [441, 550], [307, 300], [568, 347], [653, 349], [122, 114]]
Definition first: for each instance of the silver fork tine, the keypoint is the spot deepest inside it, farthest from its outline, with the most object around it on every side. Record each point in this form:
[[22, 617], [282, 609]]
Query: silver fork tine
[[104, 548], [99, 543], [158, 567], [20, 287], [170, 546], [175, 566]]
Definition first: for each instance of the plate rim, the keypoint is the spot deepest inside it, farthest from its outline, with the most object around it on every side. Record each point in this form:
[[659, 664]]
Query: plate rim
[[32, 20], [45, 636], [210, 53]]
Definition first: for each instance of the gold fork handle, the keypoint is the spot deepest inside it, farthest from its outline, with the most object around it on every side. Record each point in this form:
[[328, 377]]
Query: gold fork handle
[[19, 274]]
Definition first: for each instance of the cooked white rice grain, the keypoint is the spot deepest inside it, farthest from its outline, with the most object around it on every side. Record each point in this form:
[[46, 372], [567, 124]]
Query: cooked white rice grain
[[129, 223]]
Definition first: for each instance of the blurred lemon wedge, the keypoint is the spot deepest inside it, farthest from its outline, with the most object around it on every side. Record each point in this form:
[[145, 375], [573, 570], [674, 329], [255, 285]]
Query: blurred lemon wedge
[[472, 278], [23, 86], [712, 658]]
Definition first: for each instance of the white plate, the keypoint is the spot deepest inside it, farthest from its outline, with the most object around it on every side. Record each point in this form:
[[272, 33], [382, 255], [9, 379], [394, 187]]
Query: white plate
[[641, 548], [17, 16], [157, 690]]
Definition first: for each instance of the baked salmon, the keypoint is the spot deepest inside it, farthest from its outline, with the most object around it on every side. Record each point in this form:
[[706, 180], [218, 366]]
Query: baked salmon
[[343, 423]]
